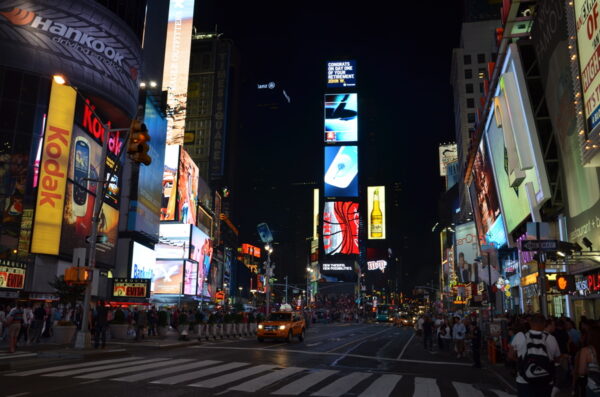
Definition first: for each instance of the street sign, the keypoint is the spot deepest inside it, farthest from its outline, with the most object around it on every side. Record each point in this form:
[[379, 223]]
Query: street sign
[[539, 245]]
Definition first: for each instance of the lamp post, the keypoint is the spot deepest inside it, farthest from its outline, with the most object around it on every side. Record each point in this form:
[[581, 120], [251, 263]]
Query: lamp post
[[308, 273], [240, 289], [83, 339], [268, 274]]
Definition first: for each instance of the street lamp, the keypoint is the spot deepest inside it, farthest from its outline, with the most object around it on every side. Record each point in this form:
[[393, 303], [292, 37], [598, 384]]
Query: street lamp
[[268, 274], [308, 273]]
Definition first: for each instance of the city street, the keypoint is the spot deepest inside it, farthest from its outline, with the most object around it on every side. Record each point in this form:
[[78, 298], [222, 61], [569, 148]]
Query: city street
[[334, 360]]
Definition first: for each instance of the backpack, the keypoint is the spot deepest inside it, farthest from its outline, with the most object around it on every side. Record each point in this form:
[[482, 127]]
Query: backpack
[[536, 367]]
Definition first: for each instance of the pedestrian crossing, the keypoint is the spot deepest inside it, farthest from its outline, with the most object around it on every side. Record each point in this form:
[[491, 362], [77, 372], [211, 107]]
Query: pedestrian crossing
[[263, 379], [5, 355]]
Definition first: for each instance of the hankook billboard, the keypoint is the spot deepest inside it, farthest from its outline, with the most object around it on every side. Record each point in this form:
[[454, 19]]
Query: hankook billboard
[[83, 40]]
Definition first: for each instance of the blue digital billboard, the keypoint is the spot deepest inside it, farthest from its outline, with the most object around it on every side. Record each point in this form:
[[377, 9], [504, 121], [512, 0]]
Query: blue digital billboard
[[341, 171], [341, 74], [341, 118]]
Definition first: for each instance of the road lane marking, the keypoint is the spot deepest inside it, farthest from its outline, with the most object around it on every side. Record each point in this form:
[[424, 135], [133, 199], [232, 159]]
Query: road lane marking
[[19, 394], [166, 371], [383, 386], [80, 365], [314, 353], [102, 367], [466, 390], [199, 374], [16, 355], [405, 346], [313, 344], [261, 382], [301, 385], [359, 339], [426, 387], [342, 385], [119, 371], [225, 379]]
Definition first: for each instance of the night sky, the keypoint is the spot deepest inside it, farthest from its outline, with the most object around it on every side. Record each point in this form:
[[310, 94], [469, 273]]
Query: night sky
[[405, 99]]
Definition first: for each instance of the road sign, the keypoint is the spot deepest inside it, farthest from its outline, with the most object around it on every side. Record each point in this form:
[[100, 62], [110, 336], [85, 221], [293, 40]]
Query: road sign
[[539, 245]]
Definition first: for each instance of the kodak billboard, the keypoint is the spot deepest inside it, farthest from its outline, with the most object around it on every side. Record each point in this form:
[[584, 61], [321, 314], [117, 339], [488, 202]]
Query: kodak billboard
[[54, 165]]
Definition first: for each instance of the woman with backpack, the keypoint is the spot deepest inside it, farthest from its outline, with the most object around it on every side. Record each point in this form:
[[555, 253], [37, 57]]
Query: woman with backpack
[[588, 364]]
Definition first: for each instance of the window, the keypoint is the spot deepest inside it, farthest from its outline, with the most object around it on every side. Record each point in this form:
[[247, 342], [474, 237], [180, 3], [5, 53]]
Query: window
[[480, 58], [467, 59], [471, 117], [481, 87], [468, 74], [470, 103], [469, 88]]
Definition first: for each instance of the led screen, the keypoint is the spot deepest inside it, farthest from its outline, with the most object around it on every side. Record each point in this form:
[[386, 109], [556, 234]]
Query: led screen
[[341, 118], [174, 241], [341, 171], [340, 227], [169, 183], [190, 280], [201, 252], [376, 212], [448, 154], [143, 261], [486, 198], [187, 189], [167, 277], [341, 74], [467, 249]]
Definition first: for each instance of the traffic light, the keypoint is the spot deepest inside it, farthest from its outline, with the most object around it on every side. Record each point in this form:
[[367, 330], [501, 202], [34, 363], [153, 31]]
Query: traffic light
[[138, 143]]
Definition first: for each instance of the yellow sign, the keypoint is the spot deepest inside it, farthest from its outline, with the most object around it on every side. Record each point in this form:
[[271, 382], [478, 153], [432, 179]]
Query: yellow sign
[[12, 276], [529, 279], [376, 212], [53, 171], [130, 289]]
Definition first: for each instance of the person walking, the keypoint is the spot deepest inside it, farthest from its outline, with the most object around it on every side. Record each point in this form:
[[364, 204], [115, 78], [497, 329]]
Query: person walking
[[536, 352], [476, 344], [100, 321], [152, 321], [15, 322], [141, 322], [37, 324], [428, 333], [458, 336], [588, 365]]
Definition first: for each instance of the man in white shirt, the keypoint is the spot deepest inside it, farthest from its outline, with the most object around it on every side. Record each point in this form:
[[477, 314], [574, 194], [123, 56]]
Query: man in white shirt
[[518, 350], [458, 335]]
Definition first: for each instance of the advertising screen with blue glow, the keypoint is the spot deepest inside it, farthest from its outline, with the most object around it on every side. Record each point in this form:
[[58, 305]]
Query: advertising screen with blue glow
[[496, 235], [341, 74], [341, 171], [341, 118]]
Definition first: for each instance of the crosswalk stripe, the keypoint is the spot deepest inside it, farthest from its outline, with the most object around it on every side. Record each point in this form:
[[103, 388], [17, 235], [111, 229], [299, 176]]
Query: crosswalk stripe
[[16, 355], [119, 371], [383, 386], [342, 385], [199, 374], [80, 371], [263, 381], [466, 390], [224, 379], [80, 365], [500, 393], [304, 383], [426, 387], [166, 371]]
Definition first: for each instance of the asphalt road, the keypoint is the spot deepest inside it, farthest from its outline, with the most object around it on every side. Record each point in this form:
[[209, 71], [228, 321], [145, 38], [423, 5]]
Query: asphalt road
[[334, 360]]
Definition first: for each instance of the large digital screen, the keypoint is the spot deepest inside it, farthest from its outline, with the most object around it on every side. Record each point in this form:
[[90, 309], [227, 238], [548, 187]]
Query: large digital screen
[[190, 281], [340, 227], [167, 277], [143, 261], [341, 171], [448, 154], [467, 250], [485, 200], [341, 74], [187, 189], [169, 183], [341, 118], [376, 212], [201, 251], [588, 44], [177, 61], [175, 241], [145, 211]]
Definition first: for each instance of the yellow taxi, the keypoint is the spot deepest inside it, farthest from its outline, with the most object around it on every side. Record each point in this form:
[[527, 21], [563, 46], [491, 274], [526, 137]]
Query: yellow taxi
[[282, 325]]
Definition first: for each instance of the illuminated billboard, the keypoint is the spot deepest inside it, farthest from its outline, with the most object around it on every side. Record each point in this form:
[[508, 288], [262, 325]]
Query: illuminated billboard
[[340, 227], [187, 189], [12, 274], [131, 288], [177, 63], [175, 241], [588, 45], [341, 171], [376, 212], [336, 266], [467, 250], [485, 196], [341, 74], [201, 251], [341, 117], [448, 154], [143, 260], [145, 210], [167, 276], [190, 280], [169, 183], [53, 179], [316, 210]]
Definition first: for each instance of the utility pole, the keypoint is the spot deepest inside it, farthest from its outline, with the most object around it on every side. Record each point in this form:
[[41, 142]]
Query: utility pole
[[286, 289], [268, 275]]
